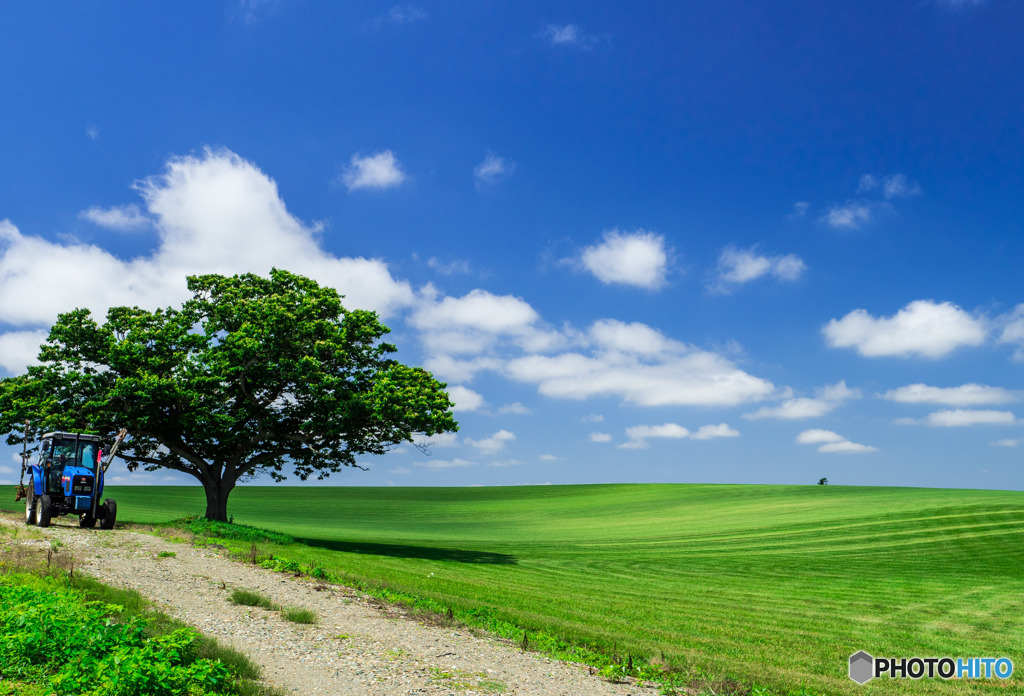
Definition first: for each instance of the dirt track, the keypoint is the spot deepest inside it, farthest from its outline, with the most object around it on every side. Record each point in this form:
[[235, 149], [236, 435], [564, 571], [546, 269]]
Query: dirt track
[[354, 648]]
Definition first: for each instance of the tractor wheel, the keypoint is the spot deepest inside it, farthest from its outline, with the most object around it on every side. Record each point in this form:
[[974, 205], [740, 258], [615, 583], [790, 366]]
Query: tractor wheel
[[87, 521], [109, 514], [30, 506], [44, 512]]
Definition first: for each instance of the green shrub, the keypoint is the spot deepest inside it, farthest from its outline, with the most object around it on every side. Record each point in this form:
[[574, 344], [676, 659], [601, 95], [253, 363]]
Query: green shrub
[[251, 598], [298, 615]]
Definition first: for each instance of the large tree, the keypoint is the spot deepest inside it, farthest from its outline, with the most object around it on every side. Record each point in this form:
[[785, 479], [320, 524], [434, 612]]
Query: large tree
[[250, 376]]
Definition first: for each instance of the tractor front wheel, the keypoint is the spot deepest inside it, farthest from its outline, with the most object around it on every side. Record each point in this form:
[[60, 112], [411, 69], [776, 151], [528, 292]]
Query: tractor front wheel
[[109, 514], [44, 513], [30, 506]]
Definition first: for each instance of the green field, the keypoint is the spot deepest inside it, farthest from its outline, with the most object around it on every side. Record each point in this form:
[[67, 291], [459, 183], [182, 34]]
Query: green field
[[770, 584]]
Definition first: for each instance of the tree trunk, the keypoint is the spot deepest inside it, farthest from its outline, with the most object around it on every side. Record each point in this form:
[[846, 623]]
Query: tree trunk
[[217, 499]]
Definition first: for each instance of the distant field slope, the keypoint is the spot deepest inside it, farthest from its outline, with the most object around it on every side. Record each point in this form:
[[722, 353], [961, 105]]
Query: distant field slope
[[778, 584]]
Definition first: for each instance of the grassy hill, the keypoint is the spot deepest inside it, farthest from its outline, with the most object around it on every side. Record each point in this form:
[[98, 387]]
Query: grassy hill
[[775, 584]]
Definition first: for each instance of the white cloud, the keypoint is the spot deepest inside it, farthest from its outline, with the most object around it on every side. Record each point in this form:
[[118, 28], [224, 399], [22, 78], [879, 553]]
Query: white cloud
[[892, 186], [800, 209], [817, 436], [739, 266], [637, 364], [18, 349], [1005, 443], [515, 408], [465, 398], [568, 35], [964, 395], [122, 218], [493, 444], [377, 171], [400, 470], [639, 434], [923, 327], [458, 369], [477, 322], [93, 131], [445, 463], [550, 458], [600, 437], [450, 268], [897, 186], [635, 258], [593, 418], [850, 215], [214, 213], [960, 417], [1013, 331], [832, 442], [828, 398], [492, 169], [437, 440], [868, 182], [847, 447], [709, 432]]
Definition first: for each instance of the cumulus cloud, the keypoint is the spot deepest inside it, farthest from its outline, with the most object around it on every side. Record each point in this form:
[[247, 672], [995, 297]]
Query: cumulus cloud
[[449, 268], [850, 215], [642, 367], [438, 464], [600, 437], [378, 171], [550, 458], [465, 398], [739, 266], [964, 395], [710, 432], [18, 349], [962, 418], [213, 213], [428, 442], [639, 434], [826, 400], [123, 218], [924, 328], [477, 321], [1013, 331], [831, 442], [568, 35], [637, 258], [891, 186], [515, 408], [493, 169], [493, 444], [1005, 443]]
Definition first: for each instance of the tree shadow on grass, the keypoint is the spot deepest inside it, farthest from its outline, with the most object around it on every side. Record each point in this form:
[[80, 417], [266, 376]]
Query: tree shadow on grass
[[403, 551]]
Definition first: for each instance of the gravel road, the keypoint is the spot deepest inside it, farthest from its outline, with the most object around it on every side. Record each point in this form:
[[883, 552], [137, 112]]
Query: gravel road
[[354, 648]]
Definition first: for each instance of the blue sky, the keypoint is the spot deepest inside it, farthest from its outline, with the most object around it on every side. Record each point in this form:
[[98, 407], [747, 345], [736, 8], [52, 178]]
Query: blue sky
[[754, 242]]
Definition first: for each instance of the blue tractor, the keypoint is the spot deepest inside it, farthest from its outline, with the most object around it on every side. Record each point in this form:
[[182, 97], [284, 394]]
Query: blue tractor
[[68, 480]]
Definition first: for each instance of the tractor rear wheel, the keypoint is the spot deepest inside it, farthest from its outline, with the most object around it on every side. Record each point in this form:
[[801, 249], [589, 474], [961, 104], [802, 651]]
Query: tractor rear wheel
[[44, 513], [87, 521], [30, 506], [109, 514]]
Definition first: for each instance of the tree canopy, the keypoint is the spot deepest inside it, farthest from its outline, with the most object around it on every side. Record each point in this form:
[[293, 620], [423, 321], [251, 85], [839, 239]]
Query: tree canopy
[[250, 376]]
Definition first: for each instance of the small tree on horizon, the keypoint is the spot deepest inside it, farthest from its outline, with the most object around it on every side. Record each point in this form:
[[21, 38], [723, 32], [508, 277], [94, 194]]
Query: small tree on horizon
[[250, 376], [823, 482]]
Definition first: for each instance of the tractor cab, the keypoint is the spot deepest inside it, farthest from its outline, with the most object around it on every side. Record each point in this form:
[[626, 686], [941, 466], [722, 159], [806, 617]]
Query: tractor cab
[[68, 462], [68, 479]]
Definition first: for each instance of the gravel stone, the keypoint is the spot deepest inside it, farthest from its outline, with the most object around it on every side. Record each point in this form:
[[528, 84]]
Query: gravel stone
[[354, 648]]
